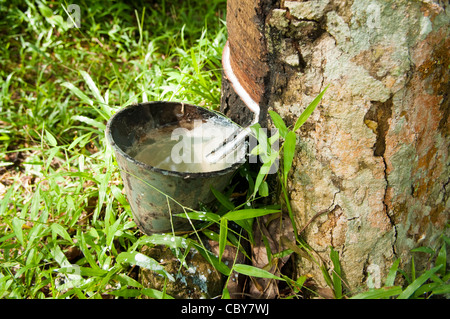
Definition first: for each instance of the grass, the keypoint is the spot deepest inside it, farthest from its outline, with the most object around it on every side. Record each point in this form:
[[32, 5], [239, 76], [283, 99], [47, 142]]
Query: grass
[[66, 229], [63, 213]]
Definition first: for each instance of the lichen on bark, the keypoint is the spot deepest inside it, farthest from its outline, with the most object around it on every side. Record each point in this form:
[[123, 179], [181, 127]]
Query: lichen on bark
[[374, 155], [376, 152]]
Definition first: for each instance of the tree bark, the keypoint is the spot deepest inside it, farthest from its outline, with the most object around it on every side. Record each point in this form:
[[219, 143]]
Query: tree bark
[[375, 153]]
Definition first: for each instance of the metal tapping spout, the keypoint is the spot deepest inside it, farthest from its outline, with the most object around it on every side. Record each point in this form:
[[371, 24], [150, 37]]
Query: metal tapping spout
[[238, 136]]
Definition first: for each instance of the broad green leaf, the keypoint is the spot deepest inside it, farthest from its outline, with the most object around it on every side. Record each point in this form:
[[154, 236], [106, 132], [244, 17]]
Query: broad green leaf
[[308, 111], [45, 11], [247, 225], [118, 195], [81, 140], [82, 271], [111, 233], [126, 293], [279, 123], [86, 252], [259, 180], [51, 154], [259, 132], [95, 91], [254, 272], [379, 293], [203, 216], [248, 213], [264, 170], [59, 256], [78, 93], [89, 121], [288, 153], [222, 199], [61, 231], [263, 189], [50, 138], [58, 21], [5, 201], [418, 282], [141, 260], [300, 281], [163, 239], [126, 280], [223, 236], [274, 139], [103, 181], [258, 149], [37, 232], [212, 259], [211, 235], [225, 293], [17, 228]]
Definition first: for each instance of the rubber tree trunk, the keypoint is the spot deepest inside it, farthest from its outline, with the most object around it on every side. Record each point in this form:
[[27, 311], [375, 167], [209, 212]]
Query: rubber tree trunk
[[375, 154]]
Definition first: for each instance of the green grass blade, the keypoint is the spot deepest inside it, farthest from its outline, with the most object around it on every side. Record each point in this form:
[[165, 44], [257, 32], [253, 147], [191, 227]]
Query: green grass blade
[[86, 252], [337, 281], [418, 282], [252, 271], [162, 239], [279, 123], [126, 280], [223, 199], [5, 200], [126, 293], [390, 279], [288, 153], [203, 216], [212, 259], [89, 121], [141, 260], [441, 289], [441, 259], [226, 293], [326, 275], [263, 190], [61, 231], [264, 170], [50, 139], [90, 83], [155, 294], [249, 213], [385, 292], [308, 111], [223, 236], [83, 97], [17, 228], [423, 249]]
